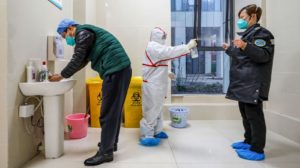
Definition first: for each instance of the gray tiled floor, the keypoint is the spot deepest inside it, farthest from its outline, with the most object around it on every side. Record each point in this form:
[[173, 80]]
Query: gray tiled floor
[[204, 144]]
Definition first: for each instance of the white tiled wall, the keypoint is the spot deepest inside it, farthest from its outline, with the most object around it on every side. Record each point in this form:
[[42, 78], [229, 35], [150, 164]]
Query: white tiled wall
[[283, 114], [29, 23]]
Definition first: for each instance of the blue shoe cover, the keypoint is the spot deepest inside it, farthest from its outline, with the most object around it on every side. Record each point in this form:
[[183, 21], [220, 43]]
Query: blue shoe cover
[[250, 155], [240, 145], [161, 135], [149, 141]]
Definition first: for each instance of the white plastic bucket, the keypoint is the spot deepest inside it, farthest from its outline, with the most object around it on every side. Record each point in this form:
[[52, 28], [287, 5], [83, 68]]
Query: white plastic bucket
[[179, 116]]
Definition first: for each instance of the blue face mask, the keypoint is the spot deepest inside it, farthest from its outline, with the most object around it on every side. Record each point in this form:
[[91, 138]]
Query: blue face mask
[[70, 40], [242, 24]]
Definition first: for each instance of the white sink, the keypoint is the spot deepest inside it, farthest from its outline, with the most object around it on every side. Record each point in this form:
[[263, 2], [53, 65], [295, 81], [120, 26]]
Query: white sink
[[53, 105], [47, 88]]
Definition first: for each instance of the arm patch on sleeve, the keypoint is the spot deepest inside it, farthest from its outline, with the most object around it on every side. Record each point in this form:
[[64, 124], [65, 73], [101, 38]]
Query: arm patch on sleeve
[[260, 42]]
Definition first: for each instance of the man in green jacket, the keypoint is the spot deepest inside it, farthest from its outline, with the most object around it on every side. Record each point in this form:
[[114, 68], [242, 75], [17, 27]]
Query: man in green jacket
[[110, 60]]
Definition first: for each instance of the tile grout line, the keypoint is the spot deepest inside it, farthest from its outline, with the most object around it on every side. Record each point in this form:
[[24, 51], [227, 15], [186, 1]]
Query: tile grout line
[[173, 154]]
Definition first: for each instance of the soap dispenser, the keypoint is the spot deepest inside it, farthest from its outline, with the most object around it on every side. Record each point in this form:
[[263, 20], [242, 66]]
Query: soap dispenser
[[31, 76], [43, 74]]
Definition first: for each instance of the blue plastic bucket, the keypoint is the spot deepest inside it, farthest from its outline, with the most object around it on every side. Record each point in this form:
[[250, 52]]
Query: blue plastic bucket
[[179, 116]]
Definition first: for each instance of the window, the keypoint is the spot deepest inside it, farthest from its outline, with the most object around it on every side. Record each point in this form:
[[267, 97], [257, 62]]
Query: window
[[182, 5], [211, 5], [207, 74]]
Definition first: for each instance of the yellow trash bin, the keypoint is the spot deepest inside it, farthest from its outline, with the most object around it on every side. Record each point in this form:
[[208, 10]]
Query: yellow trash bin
[[94, 93], [133, 103]]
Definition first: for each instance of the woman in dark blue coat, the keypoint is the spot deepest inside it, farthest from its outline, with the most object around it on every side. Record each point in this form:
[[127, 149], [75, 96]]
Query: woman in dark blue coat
[[250, 78]]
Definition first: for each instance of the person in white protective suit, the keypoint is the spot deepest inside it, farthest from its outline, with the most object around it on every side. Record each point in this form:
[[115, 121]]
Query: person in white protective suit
[[155, 83]]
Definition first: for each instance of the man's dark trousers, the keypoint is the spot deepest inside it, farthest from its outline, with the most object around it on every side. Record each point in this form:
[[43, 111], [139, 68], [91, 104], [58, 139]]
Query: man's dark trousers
[[114, 91]]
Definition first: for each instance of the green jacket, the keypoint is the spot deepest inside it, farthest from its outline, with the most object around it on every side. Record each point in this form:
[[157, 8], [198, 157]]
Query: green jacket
[[101, 48]]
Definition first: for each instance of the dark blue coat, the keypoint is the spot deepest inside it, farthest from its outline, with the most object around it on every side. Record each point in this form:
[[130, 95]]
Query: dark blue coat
[[251, 69]]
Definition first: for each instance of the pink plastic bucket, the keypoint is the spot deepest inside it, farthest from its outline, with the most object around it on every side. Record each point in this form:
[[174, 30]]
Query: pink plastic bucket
[[77, 125]]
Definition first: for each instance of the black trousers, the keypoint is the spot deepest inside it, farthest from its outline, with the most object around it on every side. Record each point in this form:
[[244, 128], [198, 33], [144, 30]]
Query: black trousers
[[254, 124], [114, 91]]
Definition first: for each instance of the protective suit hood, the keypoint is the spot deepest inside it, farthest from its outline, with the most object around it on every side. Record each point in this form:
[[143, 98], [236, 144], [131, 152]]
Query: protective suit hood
[[158, 35]]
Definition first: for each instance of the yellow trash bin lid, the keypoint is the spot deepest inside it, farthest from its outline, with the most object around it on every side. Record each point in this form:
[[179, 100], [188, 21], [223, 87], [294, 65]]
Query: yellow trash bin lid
[[95, 80]]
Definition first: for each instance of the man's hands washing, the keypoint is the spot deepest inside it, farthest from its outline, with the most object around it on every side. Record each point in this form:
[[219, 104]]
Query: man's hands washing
[[55, 78]]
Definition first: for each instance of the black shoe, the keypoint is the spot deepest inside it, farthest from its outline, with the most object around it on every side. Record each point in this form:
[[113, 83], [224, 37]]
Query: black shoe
[[99, 158], [115, 146]]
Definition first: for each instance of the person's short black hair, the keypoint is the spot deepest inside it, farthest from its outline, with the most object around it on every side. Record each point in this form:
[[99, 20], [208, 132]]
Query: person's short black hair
[[252, 9]]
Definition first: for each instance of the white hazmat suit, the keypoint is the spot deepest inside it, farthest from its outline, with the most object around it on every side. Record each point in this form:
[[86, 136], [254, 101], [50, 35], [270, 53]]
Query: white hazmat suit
[[155, 82]]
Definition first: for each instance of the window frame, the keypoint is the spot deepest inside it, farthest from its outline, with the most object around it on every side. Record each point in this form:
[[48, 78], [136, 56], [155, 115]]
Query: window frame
[[229, 25], [228, 32]]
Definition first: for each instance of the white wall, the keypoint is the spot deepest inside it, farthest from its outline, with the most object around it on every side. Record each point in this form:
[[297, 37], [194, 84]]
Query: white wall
[[79, 15], [91, 18], [84, 13], [3, 85], [283, 114], [131, 22], [29, 23], [91, 11]]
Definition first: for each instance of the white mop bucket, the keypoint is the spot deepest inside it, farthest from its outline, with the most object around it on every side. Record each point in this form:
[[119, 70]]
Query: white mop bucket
[[179, 116]]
